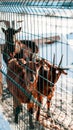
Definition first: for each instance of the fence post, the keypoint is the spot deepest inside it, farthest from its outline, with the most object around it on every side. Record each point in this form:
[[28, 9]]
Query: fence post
[[1, 86]]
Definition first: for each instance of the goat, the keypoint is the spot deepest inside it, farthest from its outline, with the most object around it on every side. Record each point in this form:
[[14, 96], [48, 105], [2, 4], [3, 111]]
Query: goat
[[17, 48], [26, 75], [9, 47], [48, 77]]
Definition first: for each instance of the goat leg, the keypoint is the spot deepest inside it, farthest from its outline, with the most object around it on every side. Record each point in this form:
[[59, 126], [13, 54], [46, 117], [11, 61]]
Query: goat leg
[[48, 107], [30, 118], [38, 112], [17, 111], [17, 108], [30, 107]]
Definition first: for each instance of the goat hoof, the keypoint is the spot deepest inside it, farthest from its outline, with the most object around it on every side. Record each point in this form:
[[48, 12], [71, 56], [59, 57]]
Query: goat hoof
[[31, 127], [16, 121], [49, 115]]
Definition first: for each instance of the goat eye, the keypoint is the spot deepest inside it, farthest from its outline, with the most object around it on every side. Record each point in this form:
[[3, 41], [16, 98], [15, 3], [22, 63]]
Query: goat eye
[[57, 71]]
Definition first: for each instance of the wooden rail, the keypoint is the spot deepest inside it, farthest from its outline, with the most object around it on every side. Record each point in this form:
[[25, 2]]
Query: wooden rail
[[48, 40]]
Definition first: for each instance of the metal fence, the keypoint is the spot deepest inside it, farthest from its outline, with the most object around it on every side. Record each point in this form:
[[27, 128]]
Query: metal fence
[[49, 24]]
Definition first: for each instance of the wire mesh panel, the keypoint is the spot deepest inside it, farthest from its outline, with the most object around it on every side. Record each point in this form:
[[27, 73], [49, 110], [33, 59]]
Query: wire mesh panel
[[36, 39]]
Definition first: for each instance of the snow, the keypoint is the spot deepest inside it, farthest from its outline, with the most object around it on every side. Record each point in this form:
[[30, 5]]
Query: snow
[[4, 124]]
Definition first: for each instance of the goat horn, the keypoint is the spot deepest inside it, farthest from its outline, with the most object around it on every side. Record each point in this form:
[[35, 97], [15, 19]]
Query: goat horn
[[60, 61], [54, 60], [64, 68], [7, 23]]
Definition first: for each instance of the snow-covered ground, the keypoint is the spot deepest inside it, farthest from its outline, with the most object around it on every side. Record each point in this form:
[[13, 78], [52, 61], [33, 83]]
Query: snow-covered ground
[[4, 124]]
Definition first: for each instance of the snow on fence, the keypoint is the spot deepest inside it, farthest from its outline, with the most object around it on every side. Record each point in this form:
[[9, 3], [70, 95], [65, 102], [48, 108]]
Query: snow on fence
[[49, 24]]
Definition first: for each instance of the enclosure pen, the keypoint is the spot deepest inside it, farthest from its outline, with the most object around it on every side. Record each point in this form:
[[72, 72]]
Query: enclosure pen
[[36, 64]]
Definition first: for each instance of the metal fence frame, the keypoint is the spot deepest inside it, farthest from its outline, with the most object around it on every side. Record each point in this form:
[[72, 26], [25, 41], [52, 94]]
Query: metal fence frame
[[26, 11]]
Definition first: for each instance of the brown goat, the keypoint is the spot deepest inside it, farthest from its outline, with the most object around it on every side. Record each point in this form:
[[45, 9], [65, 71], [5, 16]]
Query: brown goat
[[48, 76], [17, 48], [25, 75]]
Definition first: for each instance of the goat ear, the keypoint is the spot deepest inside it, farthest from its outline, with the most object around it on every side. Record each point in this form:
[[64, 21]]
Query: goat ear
[[18, 30], [3, 30], [64, 72]]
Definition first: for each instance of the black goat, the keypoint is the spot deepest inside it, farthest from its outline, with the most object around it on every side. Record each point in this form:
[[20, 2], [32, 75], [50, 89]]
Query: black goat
[[16, 48]]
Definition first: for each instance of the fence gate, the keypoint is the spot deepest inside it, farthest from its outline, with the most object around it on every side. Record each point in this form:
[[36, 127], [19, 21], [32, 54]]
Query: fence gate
[[33, 94]]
